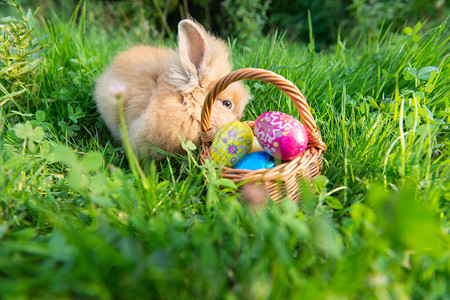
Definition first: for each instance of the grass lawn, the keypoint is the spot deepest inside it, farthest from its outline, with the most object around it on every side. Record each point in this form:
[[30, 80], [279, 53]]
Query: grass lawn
[[79, 220]]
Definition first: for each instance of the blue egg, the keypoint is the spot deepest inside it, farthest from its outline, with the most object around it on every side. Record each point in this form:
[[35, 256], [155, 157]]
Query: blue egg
[[255, 161]]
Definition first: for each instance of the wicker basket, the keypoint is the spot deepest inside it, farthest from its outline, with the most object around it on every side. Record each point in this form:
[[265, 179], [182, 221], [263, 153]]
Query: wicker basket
[[282, 180]]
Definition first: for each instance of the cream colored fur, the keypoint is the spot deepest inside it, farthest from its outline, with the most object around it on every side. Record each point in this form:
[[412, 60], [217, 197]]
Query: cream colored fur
[[163, 91]]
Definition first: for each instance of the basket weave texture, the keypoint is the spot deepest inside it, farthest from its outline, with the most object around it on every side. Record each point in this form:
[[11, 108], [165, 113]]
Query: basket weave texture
[[282, 180]]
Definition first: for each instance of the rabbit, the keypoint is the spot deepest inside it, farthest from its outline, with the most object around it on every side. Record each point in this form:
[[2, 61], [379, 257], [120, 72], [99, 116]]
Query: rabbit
[[163, 91]]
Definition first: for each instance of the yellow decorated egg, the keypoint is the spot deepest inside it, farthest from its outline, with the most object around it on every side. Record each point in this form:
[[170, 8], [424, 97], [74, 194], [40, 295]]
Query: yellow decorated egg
[[232, 142]]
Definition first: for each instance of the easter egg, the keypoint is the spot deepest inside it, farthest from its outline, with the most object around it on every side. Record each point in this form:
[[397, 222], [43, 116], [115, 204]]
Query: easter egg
[[231, 143], [281, 135], [255, 161]]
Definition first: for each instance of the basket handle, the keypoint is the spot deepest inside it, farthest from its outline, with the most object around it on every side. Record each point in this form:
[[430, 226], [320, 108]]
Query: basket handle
[[280, 82]]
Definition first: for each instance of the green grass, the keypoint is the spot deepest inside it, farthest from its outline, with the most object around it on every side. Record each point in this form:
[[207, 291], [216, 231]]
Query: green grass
[[77, 220]]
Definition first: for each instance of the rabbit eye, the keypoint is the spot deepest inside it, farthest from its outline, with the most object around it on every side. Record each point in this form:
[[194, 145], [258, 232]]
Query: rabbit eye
[[227, 104]]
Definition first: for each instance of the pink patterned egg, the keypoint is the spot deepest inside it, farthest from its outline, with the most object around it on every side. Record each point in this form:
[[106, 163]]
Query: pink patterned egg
[[281, 135]]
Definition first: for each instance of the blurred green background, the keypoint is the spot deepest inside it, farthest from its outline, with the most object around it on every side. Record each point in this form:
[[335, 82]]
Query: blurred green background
[[248, 20]]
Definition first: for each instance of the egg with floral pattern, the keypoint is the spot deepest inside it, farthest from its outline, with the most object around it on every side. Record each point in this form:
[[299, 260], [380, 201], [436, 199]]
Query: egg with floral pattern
[[232, 142], [281, 135]]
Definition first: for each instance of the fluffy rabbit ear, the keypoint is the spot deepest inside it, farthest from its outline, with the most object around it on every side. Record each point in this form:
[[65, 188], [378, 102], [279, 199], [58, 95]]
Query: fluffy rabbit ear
[[192, 46], [204, 58]]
